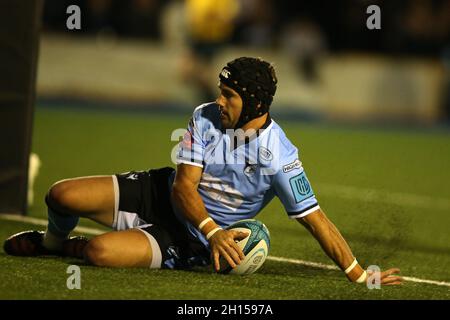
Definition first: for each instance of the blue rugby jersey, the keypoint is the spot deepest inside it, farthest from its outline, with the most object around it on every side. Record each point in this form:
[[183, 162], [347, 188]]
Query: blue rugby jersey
[[237, 183]]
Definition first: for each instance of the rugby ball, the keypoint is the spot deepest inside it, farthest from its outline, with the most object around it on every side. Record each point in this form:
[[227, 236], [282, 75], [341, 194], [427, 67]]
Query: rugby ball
[[255, 247]]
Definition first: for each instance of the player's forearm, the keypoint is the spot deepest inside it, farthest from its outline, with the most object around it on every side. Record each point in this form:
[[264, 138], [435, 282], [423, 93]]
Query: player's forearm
[[190, 203], [334, 245]]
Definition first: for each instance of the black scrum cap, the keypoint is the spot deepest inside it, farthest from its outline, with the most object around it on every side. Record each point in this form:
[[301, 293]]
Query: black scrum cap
[[255, 81]]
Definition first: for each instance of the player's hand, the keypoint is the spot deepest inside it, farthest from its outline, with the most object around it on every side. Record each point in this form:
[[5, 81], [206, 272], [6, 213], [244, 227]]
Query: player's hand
[[223, 243], [388, 277]]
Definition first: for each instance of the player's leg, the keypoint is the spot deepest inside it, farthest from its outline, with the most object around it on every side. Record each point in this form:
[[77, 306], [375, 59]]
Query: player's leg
[[146, 246], [90, 197], [149, 234], [128, 248]]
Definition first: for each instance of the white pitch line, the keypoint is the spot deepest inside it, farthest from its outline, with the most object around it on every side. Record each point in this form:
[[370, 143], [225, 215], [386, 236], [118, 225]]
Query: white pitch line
[[333, 267], [304, 263], [94, 231]]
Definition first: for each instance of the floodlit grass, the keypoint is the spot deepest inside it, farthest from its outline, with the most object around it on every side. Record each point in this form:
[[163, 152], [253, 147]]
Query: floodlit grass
[[412, 235]]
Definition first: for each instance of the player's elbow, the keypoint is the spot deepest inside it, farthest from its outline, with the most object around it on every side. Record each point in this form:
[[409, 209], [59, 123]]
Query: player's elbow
[[176, 191], [315, 221]]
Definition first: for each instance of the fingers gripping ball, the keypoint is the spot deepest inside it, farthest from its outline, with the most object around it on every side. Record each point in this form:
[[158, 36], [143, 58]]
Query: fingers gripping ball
[[255, 247]]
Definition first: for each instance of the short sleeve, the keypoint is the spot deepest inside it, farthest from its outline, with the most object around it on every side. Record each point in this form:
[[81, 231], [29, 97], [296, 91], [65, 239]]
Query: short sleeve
[[294, 189], [192, 148]]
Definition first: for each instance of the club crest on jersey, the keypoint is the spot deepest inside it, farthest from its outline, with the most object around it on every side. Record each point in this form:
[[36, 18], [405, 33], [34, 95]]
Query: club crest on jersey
[[225, 73], [265, 154], [297, 164], [250, 170]]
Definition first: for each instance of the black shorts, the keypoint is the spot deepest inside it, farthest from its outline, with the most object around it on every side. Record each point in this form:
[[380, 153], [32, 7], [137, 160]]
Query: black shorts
[[143, 202]]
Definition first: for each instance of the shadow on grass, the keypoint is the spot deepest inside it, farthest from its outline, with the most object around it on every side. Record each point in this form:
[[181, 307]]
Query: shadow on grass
[[393, 244]]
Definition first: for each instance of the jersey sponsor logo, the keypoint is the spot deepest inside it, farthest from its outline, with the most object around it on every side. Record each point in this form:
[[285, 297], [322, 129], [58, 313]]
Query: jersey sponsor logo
[[265, 154], [297, 164], [225, 73], [300, 187]]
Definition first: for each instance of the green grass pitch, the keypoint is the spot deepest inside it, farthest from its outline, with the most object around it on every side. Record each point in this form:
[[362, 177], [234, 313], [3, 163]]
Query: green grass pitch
[[386, 190]]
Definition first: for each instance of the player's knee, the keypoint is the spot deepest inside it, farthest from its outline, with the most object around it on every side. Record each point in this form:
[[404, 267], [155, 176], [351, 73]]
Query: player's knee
[[96, 253], [62, 195]]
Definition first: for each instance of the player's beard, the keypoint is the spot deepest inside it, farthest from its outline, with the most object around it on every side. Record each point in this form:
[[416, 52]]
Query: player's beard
[[225, 121]]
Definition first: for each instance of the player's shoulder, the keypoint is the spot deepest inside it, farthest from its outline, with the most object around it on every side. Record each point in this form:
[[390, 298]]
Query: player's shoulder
[[275, 139], [208, 110], [206, 116]]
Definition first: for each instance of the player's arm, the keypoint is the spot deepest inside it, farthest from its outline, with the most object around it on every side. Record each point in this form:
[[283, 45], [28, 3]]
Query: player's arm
[[186, 197], [335, 246]]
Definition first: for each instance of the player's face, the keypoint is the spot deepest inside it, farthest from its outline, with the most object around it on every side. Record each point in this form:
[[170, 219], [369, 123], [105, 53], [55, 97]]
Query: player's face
[[230, 104]]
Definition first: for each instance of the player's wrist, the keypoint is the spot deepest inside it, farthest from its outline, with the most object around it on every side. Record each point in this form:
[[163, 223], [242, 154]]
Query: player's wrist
[[362, 278], [356, 273], [202, 224], [208, 227], [213, 232]]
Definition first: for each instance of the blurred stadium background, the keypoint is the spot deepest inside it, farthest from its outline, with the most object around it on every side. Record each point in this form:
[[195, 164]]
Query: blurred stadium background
[[369, 110], [168, 53]]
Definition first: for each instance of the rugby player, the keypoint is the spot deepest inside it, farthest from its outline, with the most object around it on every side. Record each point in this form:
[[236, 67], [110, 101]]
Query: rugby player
[[234, 159]]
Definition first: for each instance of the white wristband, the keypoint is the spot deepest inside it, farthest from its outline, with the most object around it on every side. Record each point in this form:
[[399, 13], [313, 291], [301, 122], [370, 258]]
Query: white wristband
[[204, 222], [351, 267], [211, 233], [362, 278]]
